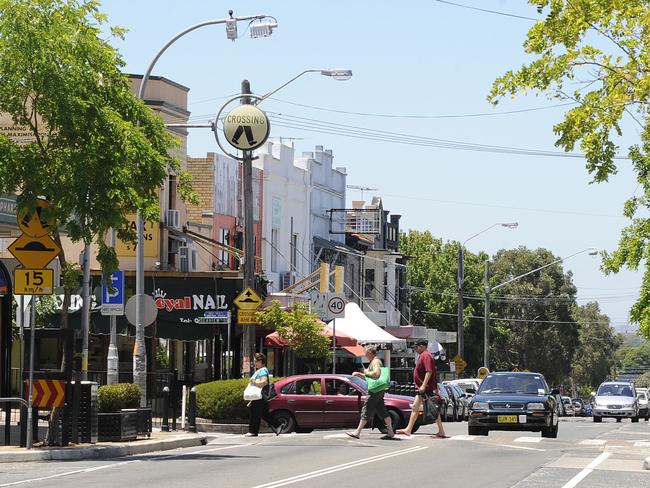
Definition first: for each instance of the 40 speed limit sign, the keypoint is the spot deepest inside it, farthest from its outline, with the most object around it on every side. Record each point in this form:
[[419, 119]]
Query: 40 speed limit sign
[[336, 305]]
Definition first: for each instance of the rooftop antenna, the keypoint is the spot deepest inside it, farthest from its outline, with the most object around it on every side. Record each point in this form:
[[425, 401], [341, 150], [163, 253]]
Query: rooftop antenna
[[361, 189]]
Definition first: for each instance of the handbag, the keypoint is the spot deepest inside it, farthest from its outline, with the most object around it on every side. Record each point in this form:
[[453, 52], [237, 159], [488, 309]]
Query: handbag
[[431, 412], [379, 384], [252, 392]]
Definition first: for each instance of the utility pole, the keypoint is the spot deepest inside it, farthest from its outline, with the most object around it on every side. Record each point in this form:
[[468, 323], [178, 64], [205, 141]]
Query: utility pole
[[461, 283], [112, 371], [248, 339], [486, 325], [85, 315]]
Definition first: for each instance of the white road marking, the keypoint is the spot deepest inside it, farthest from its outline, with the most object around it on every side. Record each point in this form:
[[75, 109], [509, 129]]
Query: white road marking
[[593, 442], [520, 447], [642, 444], [573, 482], [116, 465], [464, 437], [340, 467], [528, 439]]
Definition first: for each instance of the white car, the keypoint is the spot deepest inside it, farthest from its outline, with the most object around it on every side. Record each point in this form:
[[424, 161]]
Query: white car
[[616, 399], [568, 406], [644, 409], [464, 384]]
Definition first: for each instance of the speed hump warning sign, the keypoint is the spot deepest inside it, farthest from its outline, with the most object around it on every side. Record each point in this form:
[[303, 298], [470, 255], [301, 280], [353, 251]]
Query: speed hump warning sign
[[246, 127]]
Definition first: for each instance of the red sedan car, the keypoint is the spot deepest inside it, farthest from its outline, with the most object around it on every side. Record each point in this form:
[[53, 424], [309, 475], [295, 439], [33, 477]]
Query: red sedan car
[[329, 401]]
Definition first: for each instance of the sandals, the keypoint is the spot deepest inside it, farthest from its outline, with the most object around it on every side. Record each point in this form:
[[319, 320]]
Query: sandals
[[354, 436], [440, 436], [402, 432]]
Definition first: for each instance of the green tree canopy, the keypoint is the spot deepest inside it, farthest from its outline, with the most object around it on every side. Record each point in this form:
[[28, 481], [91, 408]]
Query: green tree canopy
[[301, 330], [595, 53], [532, 326], [595, 358], [98, 153]]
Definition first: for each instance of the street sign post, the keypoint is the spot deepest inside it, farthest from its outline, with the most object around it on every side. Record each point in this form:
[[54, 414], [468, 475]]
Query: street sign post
[[150, 310], [246, 127], [113, 294], [328, 305]]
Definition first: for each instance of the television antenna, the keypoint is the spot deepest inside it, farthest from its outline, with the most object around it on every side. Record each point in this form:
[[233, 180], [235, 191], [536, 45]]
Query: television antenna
[[361, 189]]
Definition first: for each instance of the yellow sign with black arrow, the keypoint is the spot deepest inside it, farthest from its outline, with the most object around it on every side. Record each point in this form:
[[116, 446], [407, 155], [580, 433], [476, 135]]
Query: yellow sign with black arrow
[[248, 300], [34, 252]]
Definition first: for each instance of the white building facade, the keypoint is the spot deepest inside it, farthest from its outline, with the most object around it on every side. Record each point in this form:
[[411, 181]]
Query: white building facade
[[286, 228]]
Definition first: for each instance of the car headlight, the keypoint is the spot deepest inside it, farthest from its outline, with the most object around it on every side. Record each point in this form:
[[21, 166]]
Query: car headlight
[[536, 406], [480, 406]]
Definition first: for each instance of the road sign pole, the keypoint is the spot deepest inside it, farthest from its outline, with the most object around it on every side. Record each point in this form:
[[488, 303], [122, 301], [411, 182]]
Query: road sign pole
[[112, 366], [85, 312], [30, 419], [334, 346]]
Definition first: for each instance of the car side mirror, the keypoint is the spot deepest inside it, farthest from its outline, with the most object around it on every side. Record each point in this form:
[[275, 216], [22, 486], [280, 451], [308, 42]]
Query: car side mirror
[[555, 391], [471, 391]]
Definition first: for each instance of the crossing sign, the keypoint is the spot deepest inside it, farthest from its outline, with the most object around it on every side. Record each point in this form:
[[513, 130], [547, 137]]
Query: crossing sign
[[246, 127], [113, 294]]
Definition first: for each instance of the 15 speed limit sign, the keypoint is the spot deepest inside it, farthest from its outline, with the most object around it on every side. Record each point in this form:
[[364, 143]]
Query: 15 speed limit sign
[[336, 306]]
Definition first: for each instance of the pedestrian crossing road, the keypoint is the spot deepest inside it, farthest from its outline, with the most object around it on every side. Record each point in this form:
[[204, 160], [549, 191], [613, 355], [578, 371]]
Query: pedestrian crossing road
[[584, 455]]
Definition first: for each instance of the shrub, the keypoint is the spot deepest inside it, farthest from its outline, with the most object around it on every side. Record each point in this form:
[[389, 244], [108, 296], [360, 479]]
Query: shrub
[[223, 399], [113, 398]]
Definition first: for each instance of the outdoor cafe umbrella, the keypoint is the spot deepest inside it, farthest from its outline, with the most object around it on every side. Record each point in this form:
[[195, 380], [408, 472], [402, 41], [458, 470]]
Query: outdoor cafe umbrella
[[342, 340]]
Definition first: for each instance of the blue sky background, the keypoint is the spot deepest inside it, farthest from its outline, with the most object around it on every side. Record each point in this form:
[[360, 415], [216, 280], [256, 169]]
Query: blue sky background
[[410, 58]]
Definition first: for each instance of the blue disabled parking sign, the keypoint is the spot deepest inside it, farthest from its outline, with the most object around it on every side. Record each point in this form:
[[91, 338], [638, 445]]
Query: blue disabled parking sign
[[113, 295]]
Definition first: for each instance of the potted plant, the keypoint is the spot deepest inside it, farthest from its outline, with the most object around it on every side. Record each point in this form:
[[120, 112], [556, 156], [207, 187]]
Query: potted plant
[[117, 419]]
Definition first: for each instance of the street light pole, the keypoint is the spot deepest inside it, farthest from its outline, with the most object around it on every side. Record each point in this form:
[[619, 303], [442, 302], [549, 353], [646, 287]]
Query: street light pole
[[489, 290], [461, 283], [248, 344], [139, 348]]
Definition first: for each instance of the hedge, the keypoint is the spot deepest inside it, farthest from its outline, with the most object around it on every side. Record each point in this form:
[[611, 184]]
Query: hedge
[[113, 398], [223, 399]]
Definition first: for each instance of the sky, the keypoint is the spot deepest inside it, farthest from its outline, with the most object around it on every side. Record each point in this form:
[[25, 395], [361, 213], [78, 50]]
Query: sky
[[421, 70]]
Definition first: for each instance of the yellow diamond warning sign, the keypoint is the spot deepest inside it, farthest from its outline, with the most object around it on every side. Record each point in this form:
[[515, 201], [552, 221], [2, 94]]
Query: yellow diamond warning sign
[[34, 252], [248, 300]]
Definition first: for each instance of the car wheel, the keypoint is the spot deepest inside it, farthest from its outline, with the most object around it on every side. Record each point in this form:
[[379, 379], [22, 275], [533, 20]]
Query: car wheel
[[598, 419], [286, 420], [618, 419], [635, 419], [395, 419], [477, 430]]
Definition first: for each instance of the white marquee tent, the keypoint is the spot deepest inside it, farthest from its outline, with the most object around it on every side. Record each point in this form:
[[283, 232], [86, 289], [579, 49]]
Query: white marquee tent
[[357, 324]]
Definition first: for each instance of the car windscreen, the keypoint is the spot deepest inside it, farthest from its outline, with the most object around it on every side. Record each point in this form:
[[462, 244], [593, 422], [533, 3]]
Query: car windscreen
[[614, 389], [511, 384]]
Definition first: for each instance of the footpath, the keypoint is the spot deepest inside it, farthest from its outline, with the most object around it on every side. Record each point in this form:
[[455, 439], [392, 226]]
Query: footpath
[[159, 441]]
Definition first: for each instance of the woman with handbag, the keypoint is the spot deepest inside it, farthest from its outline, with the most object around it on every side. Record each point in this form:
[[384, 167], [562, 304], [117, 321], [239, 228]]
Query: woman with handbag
[[378, 382], [257, 391]]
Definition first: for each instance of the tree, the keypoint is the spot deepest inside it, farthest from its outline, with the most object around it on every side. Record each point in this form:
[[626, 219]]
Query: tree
[[432, 278], [595, 358], [300, 329], [532, 326], [97, 152], [599, 47]]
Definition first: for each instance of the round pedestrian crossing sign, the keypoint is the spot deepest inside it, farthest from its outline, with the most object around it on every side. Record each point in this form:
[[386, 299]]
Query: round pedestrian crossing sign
[[246, 127]]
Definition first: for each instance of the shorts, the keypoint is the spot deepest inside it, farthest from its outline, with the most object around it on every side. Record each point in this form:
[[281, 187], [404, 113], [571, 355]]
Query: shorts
[[374, 404]]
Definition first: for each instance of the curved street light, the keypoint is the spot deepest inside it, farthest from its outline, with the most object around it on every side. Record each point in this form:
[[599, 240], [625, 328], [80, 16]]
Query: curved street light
[[488, 289], [139, 349], [461, 283]]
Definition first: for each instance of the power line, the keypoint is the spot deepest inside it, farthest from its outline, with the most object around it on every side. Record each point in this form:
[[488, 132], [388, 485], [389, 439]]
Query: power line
[[557, 322], [495, 12], [420, 117]]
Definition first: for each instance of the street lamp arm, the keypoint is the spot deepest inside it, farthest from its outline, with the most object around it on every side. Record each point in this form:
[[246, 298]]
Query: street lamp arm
[[478, 234], [147, 73], [264, 97], [540, 268]]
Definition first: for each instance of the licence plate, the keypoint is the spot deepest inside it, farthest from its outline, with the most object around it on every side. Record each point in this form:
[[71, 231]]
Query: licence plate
[[507, 419]]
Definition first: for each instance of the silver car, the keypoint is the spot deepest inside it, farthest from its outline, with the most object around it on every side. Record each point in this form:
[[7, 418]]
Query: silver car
[[615, 399]]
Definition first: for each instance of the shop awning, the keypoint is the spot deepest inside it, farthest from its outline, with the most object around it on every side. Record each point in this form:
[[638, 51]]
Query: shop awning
[[356, 351], [356, 324], [342, 340]]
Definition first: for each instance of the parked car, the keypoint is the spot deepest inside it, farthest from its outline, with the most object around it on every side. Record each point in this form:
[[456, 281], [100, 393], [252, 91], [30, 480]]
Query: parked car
[[559, 402], [644, 409], [445, 404], [588, 410], [463, 400], [458, 400], [325, 401], [568, 406], [616, 399], [578, 407], [465, 384], [514, 401]]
